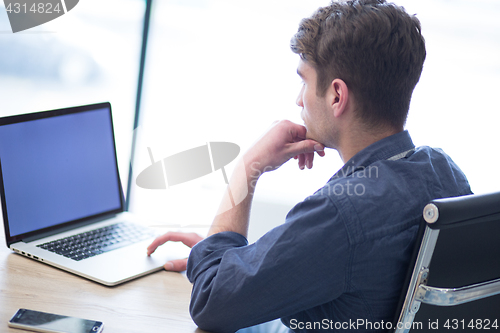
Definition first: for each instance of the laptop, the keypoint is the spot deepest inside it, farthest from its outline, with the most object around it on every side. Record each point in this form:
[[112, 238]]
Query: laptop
[[62, 199]]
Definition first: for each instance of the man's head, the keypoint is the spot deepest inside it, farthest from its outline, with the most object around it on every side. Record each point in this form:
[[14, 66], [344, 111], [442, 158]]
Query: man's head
[[375, 47]]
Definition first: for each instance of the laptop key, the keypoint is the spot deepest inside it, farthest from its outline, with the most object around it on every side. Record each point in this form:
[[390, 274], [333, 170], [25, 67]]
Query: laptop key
[[94, 242], [115, 246]]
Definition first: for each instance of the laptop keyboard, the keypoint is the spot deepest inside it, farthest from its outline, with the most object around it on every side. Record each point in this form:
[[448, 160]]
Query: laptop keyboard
[[94, 242]]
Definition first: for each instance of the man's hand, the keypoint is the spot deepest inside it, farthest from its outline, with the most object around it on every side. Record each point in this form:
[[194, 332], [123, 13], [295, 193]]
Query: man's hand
[[189, 239], [281, 142]]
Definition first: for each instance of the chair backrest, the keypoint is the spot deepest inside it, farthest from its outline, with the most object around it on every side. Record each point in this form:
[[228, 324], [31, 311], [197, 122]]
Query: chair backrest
[[454, 281]]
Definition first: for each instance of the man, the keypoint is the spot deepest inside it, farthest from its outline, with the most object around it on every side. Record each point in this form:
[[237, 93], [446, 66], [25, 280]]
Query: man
[[342, 254]]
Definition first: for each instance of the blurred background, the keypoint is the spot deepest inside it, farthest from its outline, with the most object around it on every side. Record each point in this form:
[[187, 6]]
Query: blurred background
[[220, 70]]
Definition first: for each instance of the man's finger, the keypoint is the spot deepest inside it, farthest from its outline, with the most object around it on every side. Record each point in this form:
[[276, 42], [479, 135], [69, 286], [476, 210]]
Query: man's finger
[[297, 132], [304, 147], [189, 239], [309, 160], [158, 241], [301, 161], [178, 265]]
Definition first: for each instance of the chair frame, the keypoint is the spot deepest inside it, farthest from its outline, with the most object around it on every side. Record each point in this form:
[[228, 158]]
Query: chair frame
[[418, 291]]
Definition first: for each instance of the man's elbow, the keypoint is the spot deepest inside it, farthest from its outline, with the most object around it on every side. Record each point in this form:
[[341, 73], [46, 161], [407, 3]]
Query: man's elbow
[[209, 319], [209, 323]]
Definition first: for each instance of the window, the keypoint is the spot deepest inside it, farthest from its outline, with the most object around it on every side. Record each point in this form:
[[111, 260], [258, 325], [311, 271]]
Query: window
[[91, 54], [454, 105], [218, 71], [223, 71]]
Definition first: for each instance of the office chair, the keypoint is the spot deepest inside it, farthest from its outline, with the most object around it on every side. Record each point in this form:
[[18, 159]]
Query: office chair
[[453, 283]]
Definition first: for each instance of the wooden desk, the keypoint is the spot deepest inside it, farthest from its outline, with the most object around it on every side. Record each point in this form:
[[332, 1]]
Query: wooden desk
[[155, 303]]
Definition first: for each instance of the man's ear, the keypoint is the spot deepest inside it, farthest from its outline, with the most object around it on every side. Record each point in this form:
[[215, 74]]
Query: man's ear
[[339, 96]]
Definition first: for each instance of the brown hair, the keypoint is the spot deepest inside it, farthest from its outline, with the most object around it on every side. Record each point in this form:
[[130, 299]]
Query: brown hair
[[375, 47]]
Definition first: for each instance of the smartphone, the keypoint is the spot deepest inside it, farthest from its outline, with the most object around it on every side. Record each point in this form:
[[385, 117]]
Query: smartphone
[[52, 323]]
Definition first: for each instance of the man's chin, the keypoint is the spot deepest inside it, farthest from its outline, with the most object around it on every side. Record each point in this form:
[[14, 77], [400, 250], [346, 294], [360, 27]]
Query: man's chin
[[311, 136]]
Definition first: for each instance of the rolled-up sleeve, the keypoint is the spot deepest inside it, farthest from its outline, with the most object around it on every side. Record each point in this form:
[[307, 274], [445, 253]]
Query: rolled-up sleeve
[[296, 266]]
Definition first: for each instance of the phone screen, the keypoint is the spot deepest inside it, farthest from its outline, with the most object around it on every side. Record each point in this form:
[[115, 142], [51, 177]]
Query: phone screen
[[48, 322]]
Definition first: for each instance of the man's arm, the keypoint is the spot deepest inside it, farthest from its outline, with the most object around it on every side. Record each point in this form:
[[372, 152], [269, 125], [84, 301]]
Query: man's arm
[[235, 285], [296, 266], [282, 141]]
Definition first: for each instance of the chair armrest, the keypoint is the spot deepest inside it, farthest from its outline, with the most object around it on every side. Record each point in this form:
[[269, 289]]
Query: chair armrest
[[454, 296]]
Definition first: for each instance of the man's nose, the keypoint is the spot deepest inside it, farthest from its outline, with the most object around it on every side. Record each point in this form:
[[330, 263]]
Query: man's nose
[[299, 100]]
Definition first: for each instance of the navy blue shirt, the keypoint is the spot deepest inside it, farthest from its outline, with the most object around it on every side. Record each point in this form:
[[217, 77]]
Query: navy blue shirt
[[340, 257]]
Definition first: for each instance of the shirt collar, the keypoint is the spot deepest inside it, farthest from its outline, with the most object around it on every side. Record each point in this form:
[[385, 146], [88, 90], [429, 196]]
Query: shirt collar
[[384, 149]]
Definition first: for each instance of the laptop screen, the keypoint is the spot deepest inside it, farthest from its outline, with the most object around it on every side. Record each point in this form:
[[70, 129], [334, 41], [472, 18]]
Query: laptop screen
[[58, 168]]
